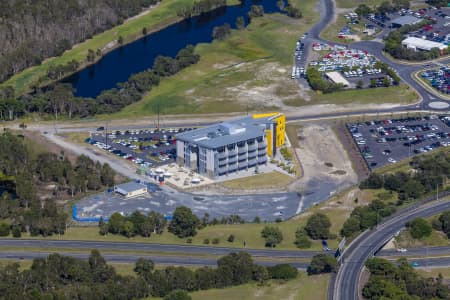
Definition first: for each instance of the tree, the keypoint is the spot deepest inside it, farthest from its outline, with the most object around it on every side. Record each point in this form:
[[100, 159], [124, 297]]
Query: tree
[[91, 55], [177, 295], [301, 239], [221, 32], [120, 40], [293, 12], [128, 229], [283, 271], [419, 228], [144, 31], [351, 226], [144, 267], [401, 4], [360, 84], [322, 263], [240, 23], [4, 229], [256, 11], [260, 274], [184, 223], [363, 10], [280, 5], [318, 226], [235, 268], [272, 236], [116, 223]]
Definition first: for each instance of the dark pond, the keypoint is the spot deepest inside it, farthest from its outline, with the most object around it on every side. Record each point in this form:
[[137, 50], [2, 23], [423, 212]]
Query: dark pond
[[121, 63]]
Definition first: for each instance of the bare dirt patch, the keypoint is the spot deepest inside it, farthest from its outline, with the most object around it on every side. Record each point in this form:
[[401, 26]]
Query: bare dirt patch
[[319, 144]]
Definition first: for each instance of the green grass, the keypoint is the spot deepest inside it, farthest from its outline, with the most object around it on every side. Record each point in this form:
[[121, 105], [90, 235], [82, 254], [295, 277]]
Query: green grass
[[161, 16], [434, 272], [338, 208], [302, 288], [225, 65], [266, 180], [394, 94], [353, 3], [75, 137]]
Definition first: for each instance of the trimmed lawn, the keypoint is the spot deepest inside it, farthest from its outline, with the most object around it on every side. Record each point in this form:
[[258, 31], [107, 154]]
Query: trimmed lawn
[[302, 288], [266, 180]]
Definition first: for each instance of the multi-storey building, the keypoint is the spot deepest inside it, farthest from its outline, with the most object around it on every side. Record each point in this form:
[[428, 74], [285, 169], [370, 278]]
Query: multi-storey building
[[231, 146]]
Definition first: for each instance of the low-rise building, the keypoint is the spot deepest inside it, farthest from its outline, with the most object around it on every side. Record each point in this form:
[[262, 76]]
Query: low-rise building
[[130, 189], [404, 20], [231, 146], [418, 44], [337, 78]]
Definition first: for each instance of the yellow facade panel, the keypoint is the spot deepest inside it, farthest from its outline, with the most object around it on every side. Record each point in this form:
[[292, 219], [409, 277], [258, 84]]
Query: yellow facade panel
[[269, 139]]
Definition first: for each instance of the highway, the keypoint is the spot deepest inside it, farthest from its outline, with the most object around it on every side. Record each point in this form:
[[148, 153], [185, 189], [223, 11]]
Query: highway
[[131, 258], [151, 247], [346, 285]]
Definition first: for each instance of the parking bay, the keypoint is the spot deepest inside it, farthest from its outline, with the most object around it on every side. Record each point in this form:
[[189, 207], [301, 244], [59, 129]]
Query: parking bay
[[388, 141]]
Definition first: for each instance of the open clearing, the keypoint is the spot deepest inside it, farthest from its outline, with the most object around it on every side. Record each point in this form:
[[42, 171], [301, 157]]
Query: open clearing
[[302, 288]]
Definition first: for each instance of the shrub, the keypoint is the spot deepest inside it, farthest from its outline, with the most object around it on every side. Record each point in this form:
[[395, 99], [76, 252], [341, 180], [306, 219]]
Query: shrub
[[301, 239], [318, 226], [177, 295], [206, 241], [282, 271], [16, 232], [230, 238], [272, 235], [189, 241], [215, 241], [4, 229], [419, 228], [322, 263]]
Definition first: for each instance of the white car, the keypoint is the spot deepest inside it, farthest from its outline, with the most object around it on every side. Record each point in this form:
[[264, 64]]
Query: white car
[[391, 160], [401, 250]]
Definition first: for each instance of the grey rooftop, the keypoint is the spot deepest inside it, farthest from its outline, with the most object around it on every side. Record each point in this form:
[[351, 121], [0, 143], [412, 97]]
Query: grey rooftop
[[130, 186], [225, 133]]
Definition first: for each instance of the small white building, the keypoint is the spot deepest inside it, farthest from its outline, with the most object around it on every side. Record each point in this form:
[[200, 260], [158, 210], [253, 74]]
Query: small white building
[[422, 44], [337, 78], [130, 189]]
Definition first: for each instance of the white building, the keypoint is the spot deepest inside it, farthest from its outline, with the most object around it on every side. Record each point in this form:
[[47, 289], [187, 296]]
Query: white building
[[130, 189], [337, 78], [422, 44]]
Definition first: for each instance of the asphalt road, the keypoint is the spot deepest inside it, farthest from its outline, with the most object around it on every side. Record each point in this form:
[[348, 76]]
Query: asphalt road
[[416, 252], [131, 258], [346, 285], [151, 247]]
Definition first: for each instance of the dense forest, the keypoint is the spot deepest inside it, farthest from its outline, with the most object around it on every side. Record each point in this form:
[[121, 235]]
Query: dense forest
[[32, 31], [400, 281], [32, 182], [61, 277]]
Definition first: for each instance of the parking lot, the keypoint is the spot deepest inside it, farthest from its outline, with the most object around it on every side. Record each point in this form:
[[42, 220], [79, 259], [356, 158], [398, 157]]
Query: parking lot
[[358, 67], [383, 142], [438, 79], [146, 148]]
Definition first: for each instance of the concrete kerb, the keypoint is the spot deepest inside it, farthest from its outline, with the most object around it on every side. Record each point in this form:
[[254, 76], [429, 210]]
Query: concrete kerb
[[419, 80]]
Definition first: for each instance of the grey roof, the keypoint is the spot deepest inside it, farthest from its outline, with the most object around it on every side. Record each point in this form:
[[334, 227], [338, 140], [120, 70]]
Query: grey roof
[[404, 20], [130, 186], [225, 133]]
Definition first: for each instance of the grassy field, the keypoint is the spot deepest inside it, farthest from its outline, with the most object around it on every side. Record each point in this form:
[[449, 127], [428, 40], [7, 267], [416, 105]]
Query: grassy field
[[75, 137], [434, 272], [302, 288], [255, 58], [161, 16], [254, 182], [394, 94], [353, 3], [338, 208]]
